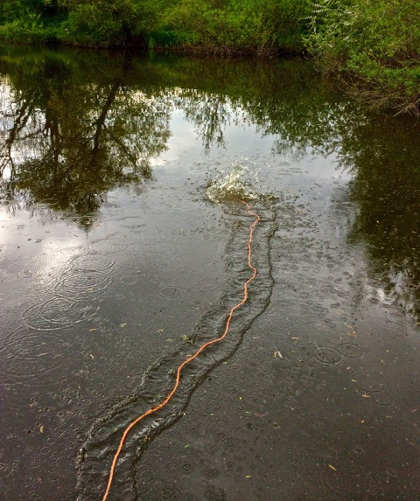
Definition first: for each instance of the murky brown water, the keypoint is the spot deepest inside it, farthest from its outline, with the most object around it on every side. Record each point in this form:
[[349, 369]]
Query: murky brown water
[[114, 265]]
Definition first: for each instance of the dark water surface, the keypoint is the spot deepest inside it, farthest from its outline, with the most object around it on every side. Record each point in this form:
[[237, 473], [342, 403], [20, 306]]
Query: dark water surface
[[115, 265]]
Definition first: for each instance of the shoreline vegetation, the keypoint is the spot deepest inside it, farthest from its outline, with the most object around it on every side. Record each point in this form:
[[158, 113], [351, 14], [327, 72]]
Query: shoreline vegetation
[[371, 46]]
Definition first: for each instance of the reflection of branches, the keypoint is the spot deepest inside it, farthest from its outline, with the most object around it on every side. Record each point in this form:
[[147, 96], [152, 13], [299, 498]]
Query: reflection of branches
[[100, 122], [6, 157], [209, 113], [19, 123], [70, 142], [384, 158]]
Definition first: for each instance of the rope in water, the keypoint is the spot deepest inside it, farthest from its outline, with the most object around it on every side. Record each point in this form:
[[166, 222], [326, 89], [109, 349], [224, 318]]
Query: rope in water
[[153, 410]]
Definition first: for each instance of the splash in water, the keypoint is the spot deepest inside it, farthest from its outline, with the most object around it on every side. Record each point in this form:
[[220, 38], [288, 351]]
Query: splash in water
[[233, 185]]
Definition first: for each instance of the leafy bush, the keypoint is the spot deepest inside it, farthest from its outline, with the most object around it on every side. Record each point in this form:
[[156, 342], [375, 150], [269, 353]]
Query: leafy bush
[[256, 24], [378, 41]]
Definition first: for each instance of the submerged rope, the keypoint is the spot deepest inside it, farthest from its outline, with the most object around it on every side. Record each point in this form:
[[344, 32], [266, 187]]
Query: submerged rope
[[152, 410]]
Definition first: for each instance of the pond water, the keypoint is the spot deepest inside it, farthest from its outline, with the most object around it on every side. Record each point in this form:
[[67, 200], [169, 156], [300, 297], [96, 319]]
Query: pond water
[[123, 246]]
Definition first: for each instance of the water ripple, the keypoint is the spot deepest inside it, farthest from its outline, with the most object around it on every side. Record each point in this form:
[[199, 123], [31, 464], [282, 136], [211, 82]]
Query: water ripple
[[96, 454], [37, 346]]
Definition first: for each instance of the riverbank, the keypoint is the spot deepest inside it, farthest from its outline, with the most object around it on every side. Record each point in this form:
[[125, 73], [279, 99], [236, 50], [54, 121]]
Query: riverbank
[[371, 48], [373, 93]]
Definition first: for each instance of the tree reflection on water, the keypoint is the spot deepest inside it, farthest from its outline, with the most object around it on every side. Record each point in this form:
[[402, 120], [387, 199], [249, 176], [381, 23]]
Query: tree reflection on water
[[75, 125], [70, 136]]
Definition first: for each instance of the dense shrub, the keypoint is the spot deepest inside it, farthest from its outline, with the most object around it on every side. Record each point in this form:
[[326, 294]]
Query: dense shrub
[[377, 41], [256, 24]]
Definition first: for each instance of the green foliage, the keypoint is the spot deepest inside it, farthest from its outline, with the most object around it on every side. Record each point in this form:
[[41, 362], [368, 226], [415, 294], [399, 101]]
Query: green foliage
[[84, 22], [378, 41], [30, 20], [113, 23], [256, 24]]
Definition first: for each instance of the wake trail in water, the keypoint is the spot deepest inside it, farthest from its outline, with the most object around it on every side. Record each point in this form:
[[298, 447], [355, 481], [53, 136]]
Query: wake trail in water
[[98, 450]]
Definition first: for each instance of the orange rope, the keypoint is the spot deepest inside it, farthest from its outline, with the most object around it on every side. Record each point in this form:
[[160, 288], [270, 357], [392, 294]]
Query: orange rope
[[152, 410]]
